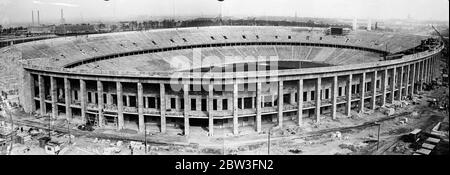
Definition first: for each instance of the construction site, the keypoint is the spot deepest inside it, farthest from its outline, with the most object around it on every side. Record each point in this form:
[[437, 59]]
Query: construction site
[[216, 88], [409, 127]]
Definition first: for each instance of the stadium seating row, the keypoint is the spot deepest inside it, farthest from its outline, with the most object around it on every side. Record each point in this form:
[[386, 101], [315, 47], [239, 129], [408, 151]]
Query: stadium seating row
[[70, 49]]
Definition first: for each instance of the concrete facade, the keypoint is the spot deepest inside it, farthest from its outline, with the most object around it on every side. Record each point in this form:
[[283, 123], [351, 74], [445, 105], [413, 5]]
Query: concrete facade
[[234, 101]]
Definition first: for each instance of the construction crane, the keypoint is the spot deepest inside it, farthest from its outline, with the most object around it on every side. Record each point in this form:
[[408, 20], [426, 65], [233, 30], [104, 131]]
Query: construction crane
[[445, 45], [442, 38]]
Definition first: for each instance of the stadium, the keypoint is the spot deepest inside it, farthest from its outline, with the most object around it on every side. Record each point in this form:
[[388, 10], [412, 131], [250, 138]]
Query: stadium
[[220, 79]]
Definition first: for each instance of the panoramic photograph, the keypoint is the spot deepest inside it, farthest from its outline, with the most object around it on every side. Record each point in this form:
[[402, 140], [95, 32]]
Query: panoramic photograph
[[224, 77]]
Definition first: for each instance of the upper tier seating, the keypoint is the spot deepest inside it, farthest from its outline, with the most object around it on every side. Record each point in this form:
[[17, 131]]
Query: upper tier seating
[[183, 59], [70, 49]]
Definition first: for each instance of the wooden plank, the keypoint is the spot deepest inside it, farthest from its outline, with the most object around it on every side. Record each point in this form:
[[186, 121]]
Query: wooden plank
[[423, 151], [432, 140], [416, 131], [428, 146]]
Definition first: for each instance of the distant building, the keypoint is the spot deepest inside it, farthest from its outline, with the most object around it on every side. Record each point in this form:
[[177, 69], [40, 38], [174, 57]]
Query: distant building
[[42, 29], [102, 28], [128, 25], [71, 29], [337, 31], [355, 24]]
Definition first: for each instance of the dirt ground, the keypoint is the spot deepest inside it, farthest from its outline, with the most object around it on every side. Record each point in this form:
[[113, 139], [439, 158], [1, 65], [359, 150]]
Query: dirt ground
[[361, 140], [330, 137]]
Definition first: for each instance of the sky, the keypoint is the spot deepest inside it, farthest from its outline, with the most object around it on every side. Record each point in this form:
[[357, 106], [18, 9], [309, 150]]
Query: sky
[[19, 11]]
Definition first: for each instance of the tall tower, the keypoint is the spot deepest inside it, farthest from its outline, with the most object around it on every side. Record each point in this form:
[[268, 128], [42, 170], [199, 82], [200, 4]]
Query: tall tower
[[369, 25], [32, 18], [62, 20], [220, 12], [355, 24], [39, 22]]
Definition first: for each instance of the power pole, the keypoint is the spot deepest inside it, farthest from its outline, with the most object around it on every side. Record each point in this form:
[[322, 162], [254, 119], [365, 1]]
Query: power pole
[[49, 126], [268, 144], [145, 137], [378, 139], [12, 130], [68, 130]]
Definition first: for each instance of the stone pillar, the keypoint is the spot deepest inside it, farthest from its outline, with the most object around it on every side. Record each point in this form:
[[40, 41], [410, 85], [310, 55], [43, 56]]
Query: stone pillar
[[119, 105], [374, 91], [162, 110], [413, 78], [198, 103], [219, 104], [384, 82], [67, 90], [424, 68], [426, 71], [300, 102], [100, 103], [417, 77], [258, 107], [428, 75], [54, 95], [362, 82], [406, 81], [32, 93], [186, 108], [420, 76], [393, 84], [146, 102], [42, 95], [140, 100], [334, 95], [292, 98], [430, 69], [210, 109], [83, 99], [235, 108], [433, 67], [348, 106], [436, 66], [253, 102], [280, 103], [273, 100], [400, 85], [318, 98]]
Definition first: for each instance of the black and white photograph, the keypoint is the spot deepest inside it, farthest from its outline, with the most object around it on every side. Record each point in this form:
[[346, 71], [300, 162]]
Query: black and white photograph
[[224, 78]]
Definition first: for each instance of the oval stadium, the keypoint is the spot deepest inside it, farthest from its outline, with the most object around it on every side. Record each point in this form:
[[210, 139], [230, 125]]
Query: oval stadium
[[220, 80]]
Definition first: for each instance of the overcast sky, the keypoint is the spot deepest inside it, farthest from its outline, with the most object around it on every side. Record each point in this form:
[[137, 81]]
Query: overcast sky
[[19, 11]]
